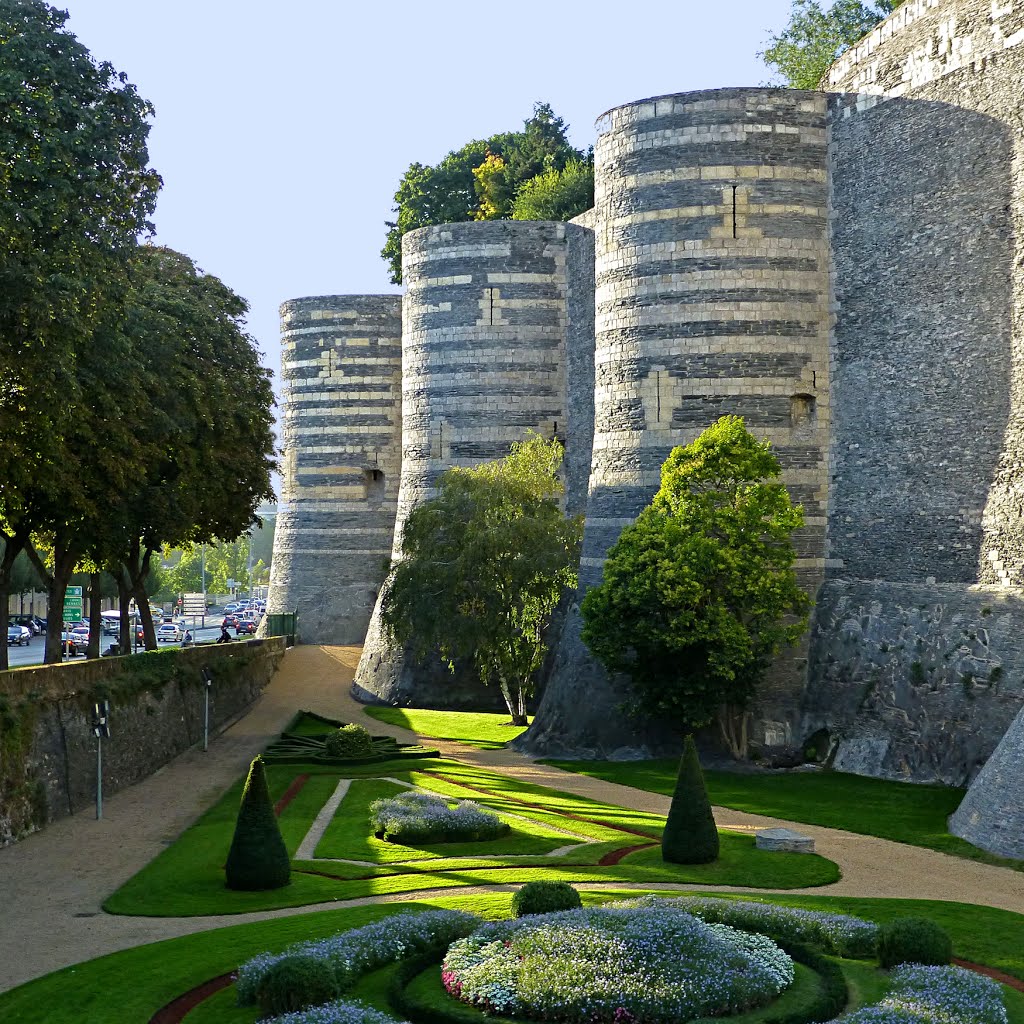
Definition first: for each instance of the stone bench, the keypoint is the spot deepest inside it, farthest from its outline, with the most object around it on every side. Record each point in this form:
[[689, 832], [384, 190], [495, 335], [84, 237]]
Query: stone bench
[[783, 839]]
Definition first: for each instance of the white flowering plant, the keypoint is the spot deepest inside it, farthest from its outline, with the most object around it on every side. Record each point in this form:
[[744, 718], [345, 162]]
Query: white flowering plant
[[342, 1012], [418, 817], [652, 964], [355, 952]]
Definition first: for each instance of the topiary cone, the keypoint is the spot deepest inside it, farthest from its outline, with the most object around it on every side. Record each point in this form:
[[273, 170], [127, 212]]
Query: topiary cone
[[258, 858], [690, 834]]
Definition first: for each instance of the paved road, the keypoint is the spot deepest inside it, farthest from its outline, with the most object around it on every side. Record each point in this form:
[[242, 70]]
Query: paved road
[[33, 653]]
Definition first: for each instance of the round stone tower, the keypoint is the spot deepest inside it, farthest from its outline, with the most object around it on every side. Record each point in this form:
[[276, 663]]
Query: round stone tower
[[712, 299], [341, 439], [483, 348]]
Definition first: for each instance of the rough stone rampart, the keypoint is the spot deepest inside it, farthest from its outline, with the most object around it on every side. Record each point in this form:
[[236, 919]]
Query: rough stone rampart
[[342, 444]]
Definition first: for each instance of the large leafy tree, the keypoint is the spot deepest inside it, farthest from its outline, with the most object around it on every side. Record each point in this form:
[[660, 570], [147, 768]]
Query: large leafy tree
[[815, 37], [479, 181], [556, 194], [699, 594], [76, 193], [484, 564]]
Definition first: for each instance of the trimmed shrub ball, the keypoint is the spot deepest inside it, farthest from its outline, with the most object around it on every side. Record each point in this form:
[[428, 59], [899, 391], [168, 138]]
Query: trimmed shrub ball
[[296, 982], [258, 858], [350, 741], [545, 898], [913, 940], [690, 835]]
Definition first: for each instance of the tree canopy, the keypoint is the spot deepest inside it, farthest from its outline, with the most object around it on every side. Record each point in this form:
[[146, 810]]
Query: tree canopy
[[699, 593], [556, 194], [484, 564], [480, 180], [814, 38]]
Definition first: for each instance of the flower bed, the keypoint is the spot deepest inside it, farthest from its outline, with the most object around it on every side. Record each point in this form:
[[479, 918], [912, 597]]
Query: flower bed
[[653, 964], [355, 952], [935, 995], [418, 817], [343, 1012], [837, 934]]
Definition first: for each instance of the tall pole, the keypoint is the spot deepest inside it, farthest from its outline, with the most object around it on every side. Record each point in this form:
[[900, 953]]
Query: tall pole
[[203, 587], [99, 777]]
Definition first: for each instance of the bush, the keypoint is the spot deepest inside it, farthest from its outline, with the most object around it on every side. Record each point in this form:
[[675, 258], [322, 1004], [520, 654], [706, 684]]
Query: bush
[[350, 741], [258, 858], [690, 835], [416, 817], [296, 982], [556, 195], [913, 940], [545, 898]]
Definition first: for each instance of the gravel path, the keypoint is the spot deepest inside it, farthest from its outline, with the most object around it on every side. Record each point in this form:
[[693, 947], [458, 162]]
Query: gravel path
[[53, 883]]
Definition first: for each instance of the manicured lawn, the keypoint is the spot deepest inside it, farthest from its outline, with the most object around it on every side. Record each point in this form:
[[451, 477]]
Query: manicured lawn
[[132, 985], [899, 811], [488, 731], [187, 878]]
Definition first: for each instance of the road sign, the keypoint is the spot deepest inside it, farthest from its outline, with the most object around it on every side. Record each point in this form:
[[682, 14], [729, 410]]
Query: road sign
[[195, 604], [73, 605]]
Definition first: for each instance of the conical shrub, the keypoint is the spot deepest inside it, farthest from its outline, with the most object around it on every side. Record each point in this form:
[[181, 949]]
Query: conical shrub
[[258, 858], [690, 835]]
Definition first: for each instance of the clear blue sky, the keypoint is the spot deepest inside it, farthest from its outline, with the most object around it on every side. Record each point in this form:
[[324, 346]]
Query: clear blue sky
[[282, 129]]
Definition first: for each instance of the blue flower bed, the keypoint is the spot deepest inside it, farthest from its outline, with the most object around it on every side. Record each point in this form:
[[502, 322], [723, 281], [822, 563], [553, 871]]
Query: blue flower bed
[[648, 964], [354, 953], [417, 817], [337, 1013], [837, 934], [935, 995]]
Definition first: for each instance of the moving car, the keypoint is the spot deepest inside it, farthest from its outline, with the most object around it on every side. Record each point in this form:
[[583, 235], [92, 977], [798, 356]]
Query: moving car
[[169, 632], [230, 621], [81, 635], [18, 635], [245, 626], [71, 647]]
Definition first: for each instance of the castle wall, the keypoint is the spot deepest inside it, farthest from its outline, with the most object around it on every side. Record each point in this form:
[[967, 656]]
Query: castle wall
[[341, 432], [483, 362], [923, 600], [712, 299]]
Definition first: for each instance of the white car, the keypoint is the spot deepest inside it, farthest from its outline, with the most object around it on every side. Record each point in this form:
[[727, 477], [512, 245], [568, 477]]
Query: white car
[[170, 632]]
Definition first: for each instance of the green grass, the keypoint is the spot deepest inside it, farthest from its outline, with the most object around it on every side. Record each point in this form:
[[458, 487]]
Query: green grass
[[900, 811], [132, 985], [187, 878], [487, 731], [343, 838]]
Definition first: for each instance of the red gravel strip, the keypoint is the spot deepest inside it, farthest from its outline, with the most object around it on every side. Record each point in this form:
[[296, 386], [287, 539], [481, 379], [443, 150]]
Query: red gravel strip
[[291, 793], [536, 807], [616, 855], [991, 972], [174, 1012]]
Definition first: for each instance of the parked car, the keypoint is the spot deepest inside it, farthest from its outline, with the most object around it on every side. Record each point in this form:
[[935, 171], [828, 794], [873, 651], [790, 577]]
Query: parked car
[[245, 626], [169, 632], [28, 622], [18, 636]]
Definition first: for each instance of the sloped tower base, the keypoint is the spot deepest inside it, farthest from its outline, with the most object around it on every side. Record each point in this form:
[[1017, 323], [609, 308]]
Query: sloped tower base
[[991, 815]]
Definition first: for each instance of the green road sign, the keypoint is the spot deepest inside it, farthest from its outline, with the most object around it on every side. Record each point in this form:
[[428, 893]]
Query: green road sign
[[73, 605]]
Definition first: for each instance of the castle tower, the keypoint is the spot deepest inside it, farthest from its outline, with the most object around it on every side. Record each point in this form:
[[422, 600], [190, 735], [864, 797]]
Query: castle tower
[[341, 439], [483, 362], [712, 298]]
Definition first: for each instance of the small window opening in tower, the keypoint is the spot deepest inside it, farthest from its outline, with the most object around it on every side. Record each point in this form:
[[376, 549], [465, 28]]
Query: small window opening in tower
[[801, 410], [490, 297], [373, 481], [734, 222]]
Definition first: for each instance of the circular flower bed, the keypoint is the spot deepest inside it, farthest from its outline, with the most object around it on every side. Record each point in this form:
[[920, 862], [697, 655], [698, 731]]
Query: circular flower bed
[[650, 965], [418, 817]]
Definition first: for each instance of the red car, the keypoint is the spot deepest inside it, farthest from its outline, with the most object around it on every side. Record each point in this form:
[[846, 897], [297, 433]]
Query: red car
[[245, 626]]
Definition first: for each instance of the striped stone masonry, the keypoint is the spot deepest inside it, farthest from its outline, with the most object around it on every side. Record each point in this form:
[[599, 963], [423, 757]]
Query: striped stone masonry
[[483, 362], [711, 299], [341, 437]]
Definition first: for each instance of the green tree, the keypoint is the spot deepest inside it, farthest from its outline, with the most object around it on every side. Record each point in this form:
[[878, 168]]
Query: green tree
[[258, 859], [484, 564], [477, 181], [690, 836], [813, 39], [556, 194], [76, 193], [699, 594]]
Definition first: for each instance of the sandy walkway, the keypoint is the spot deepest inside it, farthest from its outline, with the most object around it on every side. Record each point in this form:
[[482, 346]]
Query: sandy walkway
[[53, 883]]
